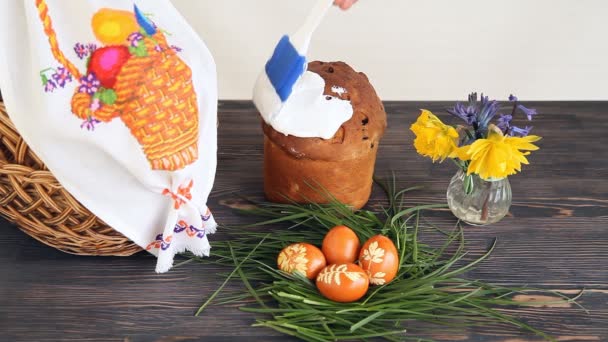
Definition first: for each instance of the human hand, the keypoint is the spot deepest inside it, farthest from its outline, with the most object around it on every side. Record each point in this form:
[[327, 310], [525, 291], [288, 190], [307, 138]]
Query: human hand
[[344, 4]]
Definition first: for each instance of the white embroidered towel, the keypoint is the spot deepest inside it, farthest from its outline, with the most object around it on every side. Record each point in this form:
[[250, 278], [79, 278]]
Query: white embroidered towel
[[119, 99]]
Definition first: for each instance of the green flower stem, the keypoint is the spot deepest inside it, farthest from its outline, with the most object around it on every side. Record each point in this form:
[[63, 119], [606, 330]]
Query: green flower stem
[[468, 179], [468, 184], [42, 72]]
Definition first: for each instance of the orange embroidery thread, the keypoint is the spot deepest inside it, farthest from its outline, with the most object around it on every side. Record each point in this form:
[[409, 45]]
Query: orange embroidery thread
[[182, 192], [50, 33]]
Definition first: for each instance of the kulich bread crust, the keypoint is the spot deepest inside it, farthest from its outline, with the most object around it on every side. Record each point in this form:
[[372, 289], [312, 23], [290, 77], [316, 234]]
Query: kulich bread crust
[[344, 164]]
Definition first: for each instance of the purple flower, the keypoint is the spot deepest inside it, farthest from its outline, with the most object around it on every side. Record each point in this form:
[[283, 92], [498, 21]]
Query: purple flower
[[467, 113], [487, 112], [134, 38], [62, 76], [95, 104], [530, 112], [504, 121], [176, 48], [91, 47], [89, 123], [477, 114], [81, 50], [513, 131], [49, 86], [512, 98], [158, 48], [89, 84]]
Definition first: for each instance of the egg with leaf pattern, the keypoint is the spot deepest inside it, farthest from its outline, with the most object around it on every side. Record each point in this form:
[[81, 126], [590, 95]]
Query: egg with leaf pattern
[[343, 283], [380, 259], [302, 258]]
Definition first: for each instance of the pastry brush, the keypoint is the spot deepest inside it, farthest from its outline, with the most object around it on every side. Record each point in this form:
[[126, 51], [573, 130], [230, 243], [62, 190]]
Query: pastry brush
[[288, 61]]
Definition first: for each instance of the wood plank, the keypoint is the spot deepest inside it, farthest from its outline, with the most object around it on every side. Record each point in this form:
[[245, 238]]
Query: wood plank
[[555, 237]]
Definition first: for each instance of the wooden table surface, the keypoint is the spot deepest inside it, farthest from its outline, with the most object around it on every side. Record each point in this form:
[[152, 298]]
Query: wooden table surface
[[555, 237]]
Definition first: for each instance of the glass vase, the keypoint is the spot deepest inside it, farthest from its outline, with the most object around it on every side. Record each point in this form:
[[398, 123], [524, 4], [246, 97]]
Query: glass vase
[[477, 201]]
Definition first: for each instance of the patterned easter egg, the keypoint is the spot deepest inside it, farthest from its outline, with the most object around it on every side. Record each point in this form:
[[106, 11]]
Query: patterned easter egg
[[380, 259], [303, 258], [343, 283]]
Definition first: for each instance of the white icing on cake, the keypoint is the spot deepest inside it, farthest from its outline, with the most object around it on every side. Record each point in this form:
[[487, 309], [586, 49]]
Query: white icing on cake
[[338, 90], [307, 113]]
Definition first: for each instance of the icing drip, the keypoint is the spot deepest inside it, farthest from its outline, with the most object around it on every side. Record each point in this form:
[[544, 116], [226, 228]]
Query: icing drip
[[338, 90], [307, 113]]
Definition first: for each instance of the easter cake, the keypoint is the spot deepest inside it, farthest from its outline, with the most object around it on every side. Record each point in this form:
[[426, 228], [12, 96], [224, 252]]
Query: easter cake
[[324, 141]]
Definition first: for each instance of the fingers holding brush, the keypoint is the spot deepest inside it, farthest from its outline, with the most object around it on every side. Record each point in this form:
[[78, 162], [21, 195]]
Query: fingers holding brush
[[344, 4]]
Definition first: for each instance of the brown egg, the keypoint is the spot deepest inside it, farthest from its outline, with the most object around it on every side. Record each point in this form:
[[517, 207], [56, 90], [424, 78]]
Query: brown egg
[[380, 259], [301, 257], [340, 245], [343, 282]]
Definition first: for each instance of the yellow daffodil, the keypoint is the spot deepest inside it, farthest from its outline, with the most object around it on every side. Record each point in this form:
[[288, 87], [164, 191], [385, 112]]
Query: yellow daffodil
[[434, 139], [498, 156], [462, 153]]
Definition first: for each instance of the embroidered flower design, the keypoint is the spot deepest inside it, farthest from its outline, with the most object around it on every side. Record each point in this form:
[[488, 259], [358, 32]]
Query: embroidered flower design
[[183, 192], [190, 230], [84, 50], [89, 123], [81, 50], [89, 84], [293, 259], [95, 104], [134, 39], [176, 48], [49, 86], [159, 242], [373, 253], [91, 47], [62, 76], [334, 272], [181, 226]]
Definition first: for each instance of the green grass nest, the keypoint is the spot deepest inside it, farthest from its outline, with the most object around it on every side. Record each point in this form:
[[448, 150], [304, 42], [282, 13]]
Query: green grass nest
[[430, 287]]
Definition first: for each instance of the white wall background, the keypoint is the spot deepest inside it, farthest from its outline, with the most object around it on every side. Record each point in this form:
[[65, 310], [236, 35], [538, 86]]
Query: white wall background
[[425, 49]]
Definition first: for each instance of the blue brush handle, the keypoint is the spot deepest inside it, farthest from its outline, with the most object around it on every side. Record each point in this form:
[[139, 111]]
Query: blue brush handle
[[285, 67]]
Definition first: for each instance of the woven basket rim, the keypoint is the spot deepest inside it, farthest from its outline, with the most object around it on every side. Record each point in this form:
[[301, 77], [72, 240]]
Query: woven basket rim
[[33, 199]]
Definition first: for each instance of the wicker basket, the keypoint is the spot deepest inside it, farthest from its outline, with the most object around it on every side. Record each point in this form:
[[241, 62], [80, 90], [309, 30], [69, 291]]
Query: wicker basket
[[32, 198]]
